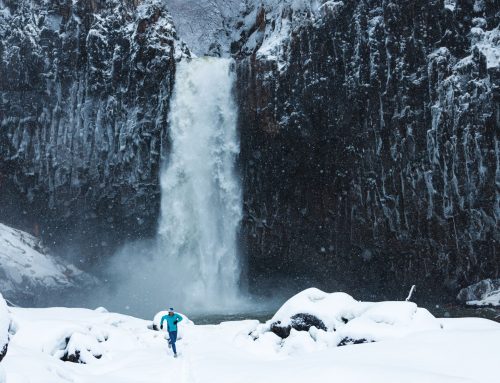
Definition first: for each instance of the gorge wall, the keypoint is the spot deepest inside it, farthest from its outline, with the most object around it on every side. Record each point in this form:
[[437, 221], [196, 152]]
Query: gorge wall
[[84, 98], [369, 133], [370, 153]]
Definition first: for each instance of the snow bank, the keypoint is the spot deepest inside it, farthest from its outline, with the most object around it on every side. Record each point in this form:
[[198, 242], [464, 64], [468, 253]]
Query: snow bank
[[4, 333], [483, 293], [25, 266], [131, 352], [4, 327], [337, 319]]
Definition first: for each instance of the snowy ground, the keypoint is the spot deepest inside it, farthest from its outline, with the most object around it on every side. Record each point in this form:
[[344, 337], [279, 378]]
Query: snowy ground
[[124, 349]]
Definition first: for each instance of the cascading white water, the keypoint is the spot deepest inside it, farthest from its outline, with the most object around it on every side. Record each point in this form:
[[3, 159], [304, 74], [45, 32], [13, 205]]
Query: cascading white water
[[201, 195]]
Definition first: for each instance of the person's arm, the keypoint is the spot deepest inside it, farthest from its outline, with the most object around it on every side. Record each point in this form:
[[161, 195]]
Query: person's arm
[[161, 322], [178, 318]]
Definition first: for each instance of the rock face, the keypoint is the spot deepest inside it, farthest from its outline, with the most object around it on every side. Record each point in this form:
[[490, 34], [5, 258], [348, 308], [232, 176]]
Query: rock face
[[369, 132], [369, 142], [84, 95]]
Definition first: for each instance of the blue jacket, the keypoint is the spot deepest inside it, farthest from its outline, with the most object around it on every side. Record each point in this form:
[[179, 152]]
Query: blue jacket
[[171, 325]]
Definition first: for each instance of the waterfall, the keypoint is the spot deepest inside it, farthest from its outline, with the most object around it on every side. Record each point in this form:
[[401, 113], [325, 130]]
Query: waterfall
[[201, 194]]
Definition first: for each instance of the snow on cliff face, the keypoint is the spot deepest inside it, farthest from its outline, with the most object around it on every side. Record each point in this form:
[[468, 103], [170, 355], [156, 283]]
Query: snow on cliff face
[[205, 25], [369, 141], [26, 270], [84, 97]]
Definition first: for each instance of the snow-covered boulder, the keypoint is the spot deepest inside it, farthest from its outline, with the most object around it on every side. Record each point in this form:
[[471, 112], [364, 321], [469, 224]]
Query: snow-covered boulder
[[158, 316], [4, 328], [337, 319], [81, 348], [483, 293], [26, 268]]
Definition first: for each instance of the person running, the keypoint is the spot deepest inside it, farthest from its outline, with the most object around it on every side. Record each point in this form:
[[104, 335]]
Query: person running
[[172, 319]]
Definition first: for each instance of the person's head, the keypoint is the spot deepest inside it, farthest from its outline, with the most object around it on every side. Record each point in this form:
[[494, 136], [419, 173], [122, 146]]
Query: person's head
[[171, 311]]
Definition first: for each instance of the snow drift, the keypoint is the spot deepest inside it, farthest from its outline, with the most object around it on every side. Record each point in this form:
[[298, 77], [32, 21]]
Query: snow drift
[[337, 319], [412, 346]]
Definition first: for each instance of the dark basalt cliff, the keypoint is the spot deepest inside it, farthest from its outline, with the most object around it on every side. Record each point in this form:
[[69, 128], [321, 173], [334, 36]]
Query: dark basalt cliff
[[84, 96], [369, 143], [369, 133]]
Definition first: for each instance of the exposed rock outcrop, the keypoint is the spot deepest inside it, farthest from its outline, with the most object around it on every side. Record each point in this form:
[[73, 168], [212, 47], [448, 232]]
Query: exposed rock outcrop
[[369, 142], [483, 293], [299, 322]]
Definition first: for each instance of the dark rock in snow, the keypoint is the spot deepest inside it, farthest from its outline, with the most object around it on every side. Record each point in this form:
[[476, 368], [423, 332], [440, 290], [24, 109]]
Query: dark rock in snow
[[349, 341], [299, 322], [280, 330], [82, 349], [3, 351], [369, 143]]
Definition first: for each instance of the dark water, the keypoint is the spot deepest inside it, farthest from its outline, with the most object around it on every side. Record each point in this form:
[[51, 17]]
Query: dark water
[[439, 311], [454, 311], [261, 316]]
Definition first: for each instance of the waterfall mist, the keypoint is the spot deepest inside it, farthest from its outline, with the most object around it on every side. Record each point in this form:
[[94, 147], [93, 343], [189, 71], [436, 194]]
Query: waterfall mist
[[201, 195], [193, 262]]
